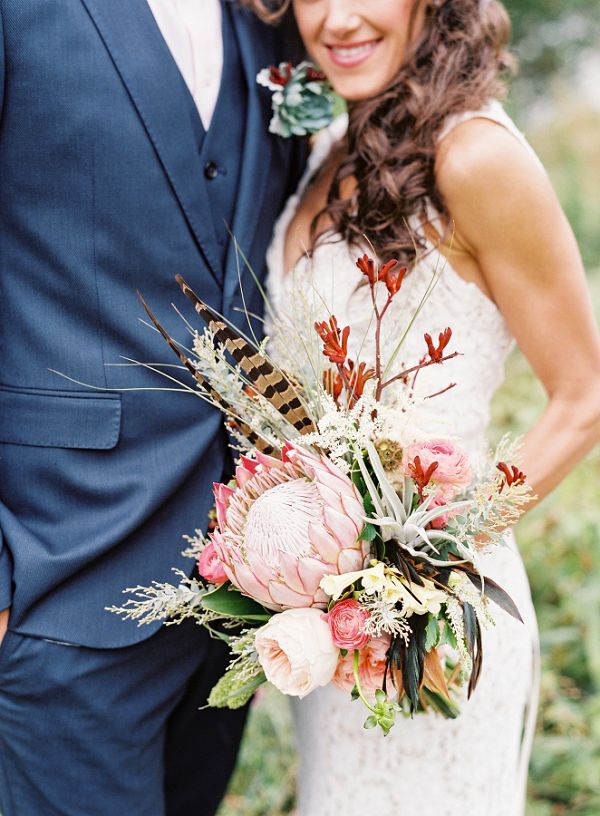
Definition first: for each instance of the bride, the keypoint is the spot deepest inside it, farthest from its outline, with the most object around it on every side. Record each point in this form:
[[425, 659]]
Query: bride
[[428, 168]]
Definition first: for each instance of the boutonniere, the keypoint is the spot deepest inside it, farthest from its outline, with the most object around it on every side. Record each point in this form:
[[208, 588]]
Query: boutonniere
[[303, 101]]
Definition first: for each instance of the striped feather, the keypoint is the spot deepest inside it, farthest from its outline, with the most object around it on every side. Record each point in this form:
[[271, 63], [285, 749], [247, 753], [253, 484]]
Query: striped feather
[[253, 438], [265, 378]]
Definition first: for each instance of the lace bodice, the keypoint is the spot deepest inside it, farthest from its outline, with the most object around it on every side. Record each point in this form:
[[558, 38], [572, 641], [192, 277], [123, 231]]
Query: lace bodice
[[475, 765]]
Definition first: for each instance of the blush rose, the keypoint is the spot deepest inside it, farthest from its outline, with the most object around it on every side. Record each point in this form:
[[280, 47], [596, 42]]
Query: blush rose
[[371, 667], [210, 565], [347, 622], [296, 651]]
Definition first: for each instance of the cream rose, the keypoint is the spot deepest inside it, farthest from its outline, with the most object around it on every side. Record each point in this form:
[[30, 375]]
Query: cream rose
[[297, 652]]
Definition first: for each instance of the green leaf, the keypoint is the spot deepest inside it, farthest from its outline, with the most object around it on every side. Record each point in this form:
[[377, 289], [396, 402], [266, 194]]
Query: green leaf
[[432, 633], [369, 533], [230, 693], [496, 594], [228, 601], [380, 696], [370, 722]]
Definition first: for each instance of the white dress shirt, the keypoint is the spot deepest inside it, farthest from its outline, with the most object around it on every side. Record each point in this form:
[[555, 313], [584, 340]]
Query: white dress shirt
[[192, 30]]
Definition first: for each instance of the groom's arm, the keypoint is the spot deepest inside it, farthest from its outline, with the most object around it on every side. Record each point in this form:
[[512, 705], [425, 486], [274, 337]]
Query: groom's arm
[[5, 558]]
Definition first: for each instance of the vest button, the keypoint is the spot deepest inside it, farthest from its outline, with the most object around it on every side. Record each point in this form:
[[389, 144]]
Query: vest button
[[211, 171]]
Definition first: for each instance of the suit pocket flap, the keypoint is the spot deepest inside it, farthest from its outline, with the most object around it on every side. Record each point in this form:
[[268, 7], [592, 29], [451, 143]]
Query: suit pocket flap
[[59, 419]]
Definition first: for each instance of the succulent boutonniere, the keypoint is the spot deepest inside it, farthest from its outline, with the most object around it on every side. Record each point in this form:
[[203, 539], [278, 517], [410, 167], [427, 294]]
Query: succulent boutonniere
[[303, 101]]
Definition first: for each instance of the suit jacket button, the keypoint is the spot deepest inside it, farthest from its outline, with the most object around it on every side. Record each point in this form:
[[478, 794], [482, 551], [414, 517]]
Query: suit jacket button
[[211, 171]]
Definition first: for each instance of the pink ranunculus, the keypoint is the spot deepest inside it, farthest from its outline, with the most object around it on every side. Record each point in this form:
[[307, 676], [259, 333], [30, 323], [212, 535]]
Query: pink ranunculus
[[453, 472], [210, 565], [347, 623], [371, 667]]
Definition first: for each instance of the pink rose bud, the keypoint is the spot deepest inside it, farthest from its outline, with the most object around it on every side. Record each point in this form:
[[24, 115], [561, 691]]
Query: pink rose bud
[[210, 566], [347, 623]]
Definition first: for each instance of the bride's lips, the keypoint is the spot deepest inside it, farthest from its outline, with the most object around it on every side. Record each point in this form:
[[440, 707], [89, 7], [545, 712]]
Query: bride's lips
[[350, 55]]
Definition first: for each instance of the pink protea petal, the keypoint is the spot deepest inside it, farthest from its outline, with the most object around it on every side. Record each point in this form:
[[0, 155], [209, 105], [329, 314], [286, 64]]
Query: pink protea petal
[[222, 495], [268, 462], [243, 476], [350, 560], [311, 571], [330, 497], [324, 543], [259, 567], [341, 526], [289, 572], [249, 464], [355, 509], [286, 597], [320, 598], [246, 581]]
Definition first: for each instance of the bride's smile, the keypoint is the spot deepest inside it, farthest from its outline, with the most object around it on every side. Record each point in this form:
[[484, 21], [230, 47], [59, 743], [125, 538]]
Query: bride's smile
[[359, 44]]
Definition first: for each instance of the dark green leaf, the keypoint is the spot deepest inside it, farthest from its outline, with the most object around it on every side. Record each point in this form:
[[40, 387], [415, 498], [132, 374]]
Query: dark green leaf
[[432, 633], [495, 593], [230, 602], [369, 533], [413, 660]]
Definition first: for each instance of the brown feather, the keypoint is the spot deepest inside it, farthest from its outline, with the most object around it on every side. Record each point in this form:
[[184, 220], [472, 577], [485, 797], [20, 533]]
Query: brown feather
[[265, 378], [253, 438]]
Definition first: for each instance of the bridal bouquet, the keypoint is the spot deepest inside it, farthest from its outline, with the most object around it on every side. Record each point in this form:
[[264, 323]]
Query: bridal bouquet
[[347, 548]]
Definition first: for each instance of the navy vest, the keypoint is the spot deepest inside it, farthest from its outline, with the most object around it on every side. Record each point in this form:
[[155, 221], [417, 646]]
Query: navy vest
[[222, 146]]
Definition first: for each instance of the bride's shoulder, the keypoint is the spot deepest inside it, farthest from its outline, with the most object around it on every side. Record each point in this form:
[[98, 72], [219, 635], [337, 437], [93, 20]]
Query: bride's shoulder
[[483, 152]]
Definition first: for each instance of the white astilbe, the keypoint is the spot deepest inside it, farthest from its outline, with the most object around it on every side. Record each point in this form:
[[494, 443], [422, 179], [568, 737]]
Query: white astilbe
[[454, 616], [384, 617], [341, 431], [466, 592]]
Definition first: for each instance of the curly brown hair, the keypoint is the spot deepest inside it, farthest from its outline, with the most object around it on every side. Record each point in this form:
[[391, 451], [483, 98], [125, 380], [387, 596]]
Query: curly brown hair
[[458, 63]]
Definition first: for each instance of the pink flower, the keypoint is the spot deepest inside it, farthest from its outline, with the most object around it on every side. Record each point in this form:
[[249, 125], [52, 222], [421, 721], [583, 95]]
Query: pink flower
[[371, 667], [347, 623], [210, 565], [296, 651], [441, 521], [287, 524], [453, 472]]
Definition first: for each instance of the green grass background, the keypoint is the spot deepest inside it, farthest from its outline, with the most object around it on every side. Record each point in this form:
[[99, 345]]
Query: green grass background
[[560, 542]]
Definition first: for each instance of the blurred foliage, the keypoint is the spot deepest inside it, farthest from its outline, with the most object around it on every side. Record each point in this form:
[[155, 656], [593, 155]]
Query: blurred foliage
[[549, 35], [560, 540]]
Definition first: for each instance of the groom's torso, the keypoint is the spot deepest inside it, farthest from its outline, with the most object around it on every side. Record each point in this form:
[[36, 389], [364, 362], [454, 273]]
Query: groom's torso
[[108, 184]]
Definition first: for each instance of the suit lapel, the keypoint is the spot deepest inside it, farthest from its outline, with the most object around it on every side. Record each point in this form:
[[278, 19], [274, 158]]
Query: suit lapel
[[257, 52], [164, 104]]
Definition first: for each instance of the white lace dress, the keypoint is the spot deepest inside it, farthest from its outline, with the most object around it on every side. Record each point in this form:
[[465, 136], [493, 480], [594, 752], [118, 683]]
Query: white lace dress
[[475, 765]]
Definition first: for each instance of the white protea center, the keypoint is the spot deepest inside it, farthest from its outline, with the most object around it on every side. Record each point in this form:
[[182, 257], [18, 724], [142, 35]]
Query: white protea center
[[285, 525], [278, 520]]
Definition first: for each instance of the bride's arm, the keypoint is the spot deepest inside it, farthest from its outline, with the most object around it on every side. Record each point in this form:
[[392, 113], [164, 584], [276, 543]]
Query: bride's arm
[[507, 217]]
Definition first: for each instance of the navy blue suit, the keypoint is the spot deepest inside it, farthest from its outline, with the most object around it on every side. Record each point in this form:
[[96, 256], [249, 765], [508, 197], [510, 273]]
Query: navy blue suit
[[108, 184]]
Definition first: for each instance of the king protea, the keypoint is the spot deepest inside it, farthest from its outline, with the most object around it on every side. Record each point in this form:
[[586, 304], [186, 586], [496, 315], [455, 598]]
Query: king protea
[[287, 523]]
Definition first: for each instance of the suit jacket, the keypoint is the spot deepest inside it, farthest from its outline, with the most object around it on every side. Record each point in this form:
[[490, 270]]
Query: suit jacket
[[102, 193]]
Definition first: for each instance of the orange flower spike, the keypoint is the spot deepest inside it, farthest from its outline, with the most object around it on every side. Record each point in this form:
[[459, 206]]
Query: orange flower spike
[[358, 377], [394, 278], [367, 267], [436, 353], [335, 343], [420, 476], [333, 383], [512, 475]]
